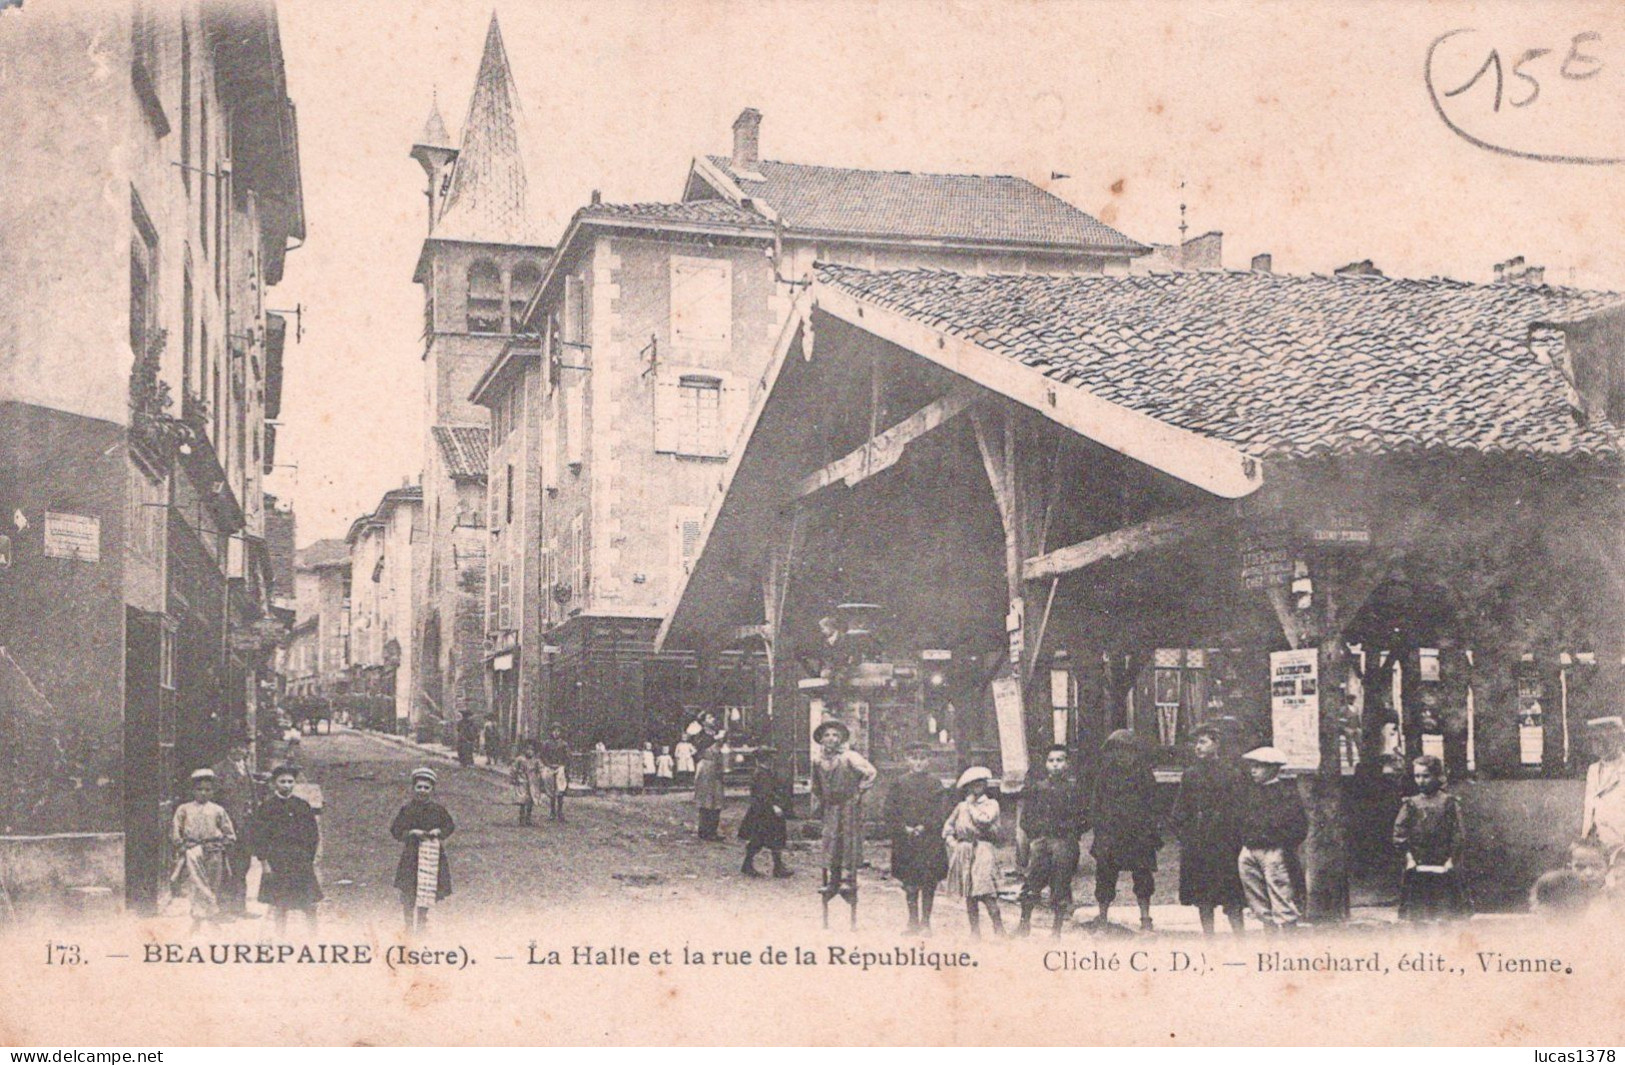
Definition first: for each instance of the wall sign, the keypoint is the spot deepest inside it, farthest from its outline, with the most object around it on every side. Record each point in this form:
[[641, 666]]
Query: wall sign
[[75, 536]]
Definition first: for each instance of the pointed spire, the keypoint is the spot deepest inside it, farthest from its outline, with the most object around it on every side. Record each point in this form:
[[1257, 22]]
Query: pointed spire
[[434, 133], [488, 200]]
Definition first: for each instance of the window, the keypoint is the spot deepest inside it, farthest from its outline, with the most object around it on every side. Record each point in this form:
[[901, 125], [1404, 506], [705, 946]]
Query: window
[[550, 445], [492, 602], [507, 505], [143, 278], [521, 287], [222, 192], [696, 412], [204, 367], [166, 656], [701, 303], [484, 298]]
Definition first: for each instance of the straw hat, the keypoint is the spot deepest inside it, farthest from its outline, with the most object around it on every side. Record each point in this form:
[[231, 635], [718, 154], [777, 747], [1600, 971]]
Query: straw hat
[[838, 726], [1265, 755], [972, 775]]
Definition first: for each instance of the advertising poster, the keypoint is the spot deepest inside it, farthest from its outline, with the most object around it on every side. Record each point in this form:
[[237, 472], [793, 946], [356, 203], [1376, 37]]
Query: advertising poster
[[1295, 706]]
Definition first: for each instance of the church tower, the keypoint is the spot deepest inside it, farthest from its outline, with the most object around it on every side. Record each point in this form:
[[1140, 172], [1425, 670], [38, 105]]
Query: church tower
[[482, 258]]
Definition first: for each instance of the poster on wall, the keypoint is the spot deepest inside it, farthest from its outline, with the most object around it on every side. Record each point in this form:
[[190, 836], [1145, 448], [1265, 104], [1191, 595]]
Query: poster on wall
[[1012, 732], [1295, 706]]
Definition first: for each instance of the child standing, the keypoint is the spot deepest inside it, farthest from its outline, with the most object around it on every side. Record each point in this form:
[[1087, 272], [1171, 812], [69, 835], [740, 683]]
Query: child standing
[[685, 752], [1273, 826], [971, 832], [765, 826], [284, 837], [1430, 833], [840, 776], [423, 876], [1208, 814], [665, 769], [708, 791], [1125, 820], [649, 767], [526, 769], [201, 832], [1053, 818], [915, 807], [555, 772]]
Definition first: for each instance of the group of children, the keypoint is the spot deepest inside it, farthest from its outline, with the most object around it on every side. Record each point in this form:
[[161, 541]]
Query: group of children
[[542, 769], [282, 835]]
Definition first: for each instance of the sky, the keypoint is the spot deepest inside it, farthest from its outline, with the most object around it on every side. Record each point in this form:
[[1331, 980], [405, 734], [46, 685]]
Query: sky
[[1306, 131]]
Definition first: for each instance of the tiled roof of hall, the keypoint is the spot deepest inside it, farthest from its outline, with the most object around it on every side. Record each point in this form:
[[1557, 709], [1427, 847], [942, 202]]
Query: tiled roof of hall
[[692, 212], [322, 554], [1284, 366], [995, 210], [465, 450]]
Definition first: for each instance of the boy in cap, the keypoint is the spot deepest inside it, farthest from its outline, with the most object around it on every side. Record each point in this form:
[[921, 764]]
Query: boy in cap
[[915, 808], [201, 833], [765, 826], [1052, 815], [1273, 825], [284, 837], [423, 876], [840, 776]]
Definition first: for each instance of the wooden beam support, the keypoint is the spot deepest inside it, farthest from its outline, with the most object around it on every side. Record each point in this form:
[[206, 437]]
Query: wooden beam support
[[1131, 540], [883, 450]]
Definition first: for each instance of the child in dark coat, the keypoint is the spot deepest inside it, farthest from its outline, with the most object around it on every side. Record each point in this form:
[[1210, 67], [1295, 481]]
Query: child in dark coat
[[1053, 818], [1430, 833], [284, 836], [765, 823], [915, 809], [1208, 813], [1272, 828], [1125, 821], [423, 876]]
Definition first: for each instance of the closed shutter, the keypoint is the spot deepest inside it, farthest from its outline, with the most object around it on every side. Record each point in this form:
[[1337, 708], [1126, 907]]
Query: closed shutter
[[701, 303], [505, 596], [575, 422]]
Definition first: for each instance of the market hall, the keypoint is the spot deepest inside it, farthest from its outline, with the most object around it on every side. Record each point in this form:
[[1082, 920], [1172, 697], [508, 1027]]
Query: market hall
[[1363, 516]]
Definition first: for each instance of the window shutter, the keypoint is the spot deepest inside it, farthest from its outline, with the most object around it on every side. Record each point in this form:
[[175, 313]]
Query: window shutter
[[550, 445], [667, 404], [691, 530], [701, 302], [735, 408], [575, 422], [575, 313], [505, 596], [578, 560], [493, 606]]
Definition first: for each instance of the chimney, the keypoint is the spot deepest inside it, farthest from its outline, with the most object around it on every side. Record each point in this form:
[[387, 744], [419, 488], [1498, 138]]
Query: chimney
[[1363, 268], [747, 133], [1500, 273], [1535, 276], [597, 198], [1262, 263]]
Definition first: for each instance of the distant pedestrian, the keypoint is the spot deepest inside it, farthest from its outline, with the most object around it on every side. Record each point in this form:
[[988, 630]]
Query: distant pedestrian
[[1054, 818], [234, 791], [708, 791], [972, 833], [284, 837], [491, 741], [684, 753], [1125, 823], [1273, 827], [649, 766], [1430, 833], [555, 772], [1208, 816], [1602, 816], [525, 777], [665, 769], [468, 736], [840, 776], [423, 876], [916, 806], [765, 825], [201, 832]]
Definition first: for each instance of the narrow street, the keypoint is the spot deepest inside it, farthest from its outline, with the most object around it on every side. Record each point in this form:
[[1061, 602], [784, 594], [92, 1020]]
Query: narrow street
[[611, 848]]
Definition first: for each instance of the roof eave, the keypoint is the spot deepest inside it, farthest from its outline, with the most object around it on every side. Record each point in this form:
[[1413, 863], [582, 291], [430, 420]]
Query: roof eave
[[1201, 461]]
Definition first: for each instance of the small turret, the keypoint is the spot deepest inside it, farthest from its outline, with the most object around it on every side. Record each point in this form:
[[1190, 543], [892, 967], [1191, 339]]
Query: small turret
[[434, 153]]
